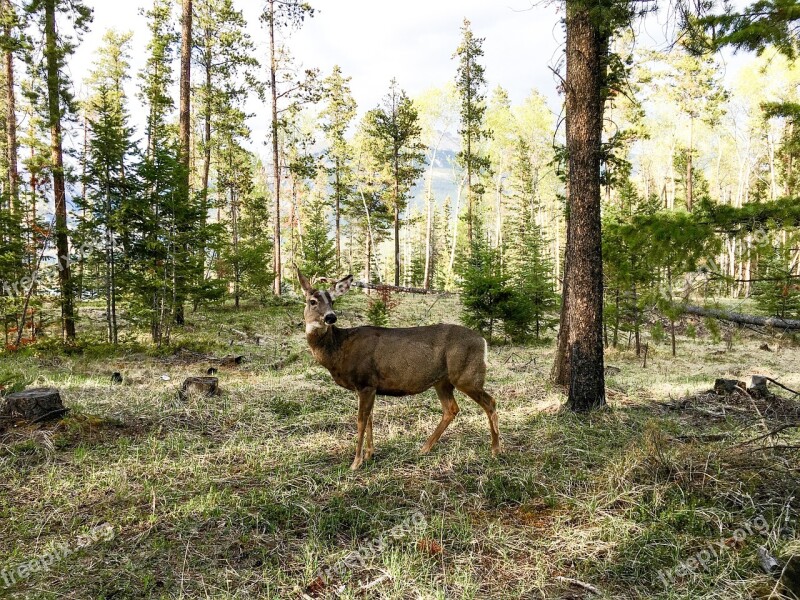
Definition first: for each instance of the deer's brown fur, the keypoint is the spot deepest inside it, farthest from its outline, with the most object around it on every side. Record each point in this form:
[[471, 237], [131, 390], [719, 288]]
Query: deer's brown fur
[[397, 362]]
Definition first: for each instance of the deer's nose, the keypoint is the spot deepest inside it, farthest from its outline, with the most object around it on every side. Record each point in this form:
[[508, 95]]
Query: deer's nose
[[330, 318]]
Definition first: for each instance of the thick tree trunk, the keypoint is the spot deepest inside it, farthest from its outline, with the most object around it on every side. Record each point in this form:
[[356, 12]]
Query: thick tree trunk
[[59, 186], [586, 50], [273, 66]]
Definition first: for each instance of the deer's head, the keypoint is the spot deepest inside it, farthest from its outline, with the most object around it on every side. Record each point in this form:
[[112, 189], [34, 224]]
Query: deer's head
[[319, 312]]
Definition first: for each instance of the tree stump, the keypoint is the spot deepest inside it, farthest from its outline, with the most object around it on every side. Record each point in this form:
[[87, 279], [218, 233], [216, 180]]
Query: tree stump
[[727, 386], [758, 386], [34, 405], [199, 386]]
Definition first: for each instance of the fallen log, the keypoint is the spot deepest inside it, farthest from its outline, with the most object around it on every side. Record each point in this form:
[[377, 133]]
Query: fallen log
[[742, 319], [399, 288]]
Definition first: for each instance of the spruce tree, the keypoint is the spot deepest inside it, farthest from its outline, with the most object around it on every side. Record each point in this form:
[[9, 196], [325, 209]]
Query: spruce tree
[[108, 179], [338, 114], [394, 139], [60, 105], [319, 251], [470, 83]]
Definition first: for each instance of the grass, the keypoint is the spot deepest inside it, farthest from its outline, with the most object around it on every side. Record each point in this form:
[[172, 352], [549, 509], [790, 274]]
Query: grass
[[248, 494]]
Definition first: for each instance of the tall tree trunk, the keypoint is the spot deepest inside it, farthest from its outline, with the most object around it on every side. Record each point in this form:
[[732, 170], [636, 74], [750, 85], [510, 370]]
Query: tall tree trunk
[[207, 139], [11, 119], [396, 228], [273, 67], [59, 187], [689, 168], [184, 133], [338, 216], [586, 52]]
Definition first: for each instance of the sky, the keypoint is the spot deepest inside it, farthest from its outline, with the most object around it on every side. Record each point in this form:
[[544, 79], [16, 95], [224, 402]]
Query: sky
[[375, 40]]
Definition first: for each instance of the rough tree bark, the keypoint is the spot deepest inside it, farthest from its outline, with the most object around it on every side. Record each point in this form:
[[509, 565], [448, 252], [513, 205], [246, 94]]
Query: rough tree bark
[[586, 49], [59, 188]]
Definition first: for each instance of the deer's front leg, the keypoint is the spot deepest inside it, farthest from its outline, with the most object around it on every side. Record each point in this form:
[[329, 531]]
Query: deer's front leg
[[366, 400]]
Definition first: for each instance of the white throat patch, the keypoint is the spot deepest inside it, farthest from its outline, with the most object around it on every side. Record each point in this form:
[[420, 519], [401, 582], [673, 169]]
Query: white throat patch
[[310, 327]]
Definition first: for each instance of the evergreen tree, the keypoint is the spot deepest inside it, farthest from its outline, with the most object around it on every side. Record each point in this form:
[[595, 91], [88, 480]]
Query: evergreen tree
[[60, 104], [223, 52], [534, 300], [777, 292], [107, 177], [283, 15], [470, 82], [319, 252], [154, 214], [394, 140], [11, 212], [486, 292], [338, 114]]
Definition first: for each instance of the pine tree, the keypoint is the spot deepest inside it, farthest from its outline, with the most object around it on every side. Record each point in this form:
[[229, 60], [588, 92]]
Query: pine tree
[[60, 104], [338, 114], [777, 293], [525, 260], [11, 220], [319, 251], [282, 15], [394, 138], [223, 51], [486, 293], [153, 215], [107, 178], [470, 82]]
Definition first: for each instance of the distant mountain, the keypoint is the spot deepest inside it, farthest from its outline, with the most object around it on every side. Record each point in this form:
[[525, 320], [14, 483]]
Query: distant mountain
[[444, 182]]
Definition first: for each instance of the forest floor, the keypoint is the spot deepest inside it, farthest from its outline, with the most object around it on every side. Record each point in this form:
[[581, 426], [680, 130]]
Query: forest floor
[[666, 494]]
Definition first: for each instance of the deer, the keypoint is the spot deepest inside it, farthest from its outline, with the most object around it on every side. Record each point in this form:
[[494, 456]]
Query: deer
[[379, 361]]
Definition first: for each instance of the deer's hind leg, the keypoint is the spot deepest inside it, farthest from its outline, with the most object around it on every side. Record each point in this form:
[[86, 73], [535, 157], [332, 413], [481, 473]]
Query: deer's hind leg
[[444, 389], [489, 405]]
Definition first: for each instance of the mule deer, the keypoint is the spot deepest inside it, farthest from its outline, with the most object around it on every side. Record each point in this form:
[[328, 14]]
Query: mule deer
[[397, 362]]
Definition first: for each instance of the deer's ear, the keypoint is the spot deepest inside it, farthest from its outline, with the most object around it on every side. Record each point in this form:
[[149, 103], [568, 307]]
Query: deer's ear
[[303, 282], [341, 287]]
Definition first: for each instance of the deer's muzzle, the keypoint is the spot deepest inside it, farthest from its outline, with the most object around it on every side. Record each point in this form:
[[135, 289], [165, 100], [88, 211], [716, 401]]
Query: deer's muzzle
[[330, 318]]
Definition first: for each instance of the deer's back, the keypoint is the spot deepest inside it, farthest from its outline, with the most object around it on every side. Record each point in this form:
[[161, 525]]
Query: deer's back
[[406, 360]]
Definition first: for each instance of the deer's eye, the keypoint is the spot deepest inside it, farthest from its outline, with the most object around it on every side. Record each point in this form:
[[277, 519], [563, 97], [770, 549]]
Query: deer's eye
[[313, 302]]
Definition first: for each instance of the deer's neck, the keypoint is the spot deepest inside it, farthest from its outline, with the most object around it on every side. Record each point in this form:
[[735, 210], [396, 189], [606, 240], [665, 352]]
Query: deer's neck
[[324, 342]]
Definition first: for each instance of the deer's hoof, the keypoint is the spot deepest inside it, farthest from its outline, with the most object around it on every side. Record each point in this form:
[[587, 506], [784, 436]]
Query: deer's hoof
[[368, 454], [356, 464], [425, 449], [496, 452]]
